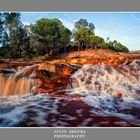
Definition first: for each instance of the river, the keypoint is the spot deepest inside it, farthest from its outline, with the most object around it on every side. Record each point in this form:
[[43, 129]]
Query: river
[[100, 96]]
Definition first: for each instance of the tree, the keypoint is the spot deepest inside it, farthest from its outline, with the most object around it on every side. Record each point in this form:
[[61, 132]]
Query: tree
[[13, 28], [96, 42], [1, 26], [4, 40], [92, 28], [121, 48], [48, 36], [65, 37], [82, 32], [15, 38], [107, 39], [3, 33], [81, 23], [51, 33], [25, 42]]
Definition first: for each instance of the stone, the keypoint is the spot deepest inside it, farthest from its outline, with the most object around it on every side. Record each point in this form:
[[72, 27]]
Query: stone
[[7, 71], [117, 94]]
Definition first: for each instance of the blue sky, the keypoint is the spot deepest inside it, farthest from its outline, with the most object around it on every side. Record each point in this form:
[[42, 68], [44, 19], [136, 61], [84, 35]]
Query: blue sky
[[123, 27]]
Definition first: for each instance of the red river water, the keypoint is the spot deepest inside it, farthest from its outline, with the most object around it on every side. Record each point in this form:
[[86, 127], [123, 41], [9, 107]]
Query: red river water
[[109, 96]]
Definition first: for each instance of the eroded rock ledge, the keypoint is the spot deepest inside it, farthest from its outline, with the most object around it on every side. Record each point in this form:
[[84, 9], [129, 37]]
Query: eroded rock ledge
[[54, 75]]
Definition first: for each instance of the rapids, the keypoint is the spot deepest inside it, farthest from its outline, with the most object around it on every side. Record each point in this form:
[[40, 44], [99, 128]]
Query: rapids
[[99, 96], [110, 80]]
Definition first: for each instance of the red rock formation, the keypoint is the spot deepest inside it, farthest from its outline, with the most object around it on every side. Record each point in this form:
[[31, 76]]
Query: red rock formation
[[54, 75]]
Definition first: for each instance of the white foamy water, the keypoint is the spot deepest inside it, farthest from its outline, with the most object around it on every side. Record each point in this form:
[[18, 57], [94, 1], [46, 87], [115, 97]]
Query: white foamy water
[[13, 109], [38, 110], [44, 110], [98, 86], [28, 70], [110, 80]]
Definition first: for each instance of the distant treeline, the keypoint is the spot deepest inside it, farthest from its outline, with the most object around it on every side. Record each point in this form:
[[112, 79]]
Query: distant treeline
[[48, 36], [135, 52]]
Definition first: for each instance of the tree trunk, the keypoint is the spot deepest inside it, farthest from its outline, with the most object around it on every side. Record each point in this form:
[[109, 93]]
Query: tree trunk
[[78, 46], [49, 50], [65, 48]]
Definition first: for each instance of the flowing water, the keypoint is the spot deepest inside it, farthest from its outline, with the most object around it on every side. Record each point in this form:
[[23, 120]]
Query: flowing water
[[19, 83], [13, 85], [101, 96]]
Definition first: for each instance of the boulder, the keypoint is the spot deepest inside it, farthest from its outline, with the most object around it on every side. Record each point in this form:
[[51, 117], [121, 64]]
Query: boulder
[[8, 71], [117, 94]]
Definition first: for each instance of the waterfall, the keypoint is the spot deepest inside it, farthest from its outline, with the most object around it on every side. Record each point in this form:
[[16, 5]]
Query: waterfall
[[18, 84], [96, 86]]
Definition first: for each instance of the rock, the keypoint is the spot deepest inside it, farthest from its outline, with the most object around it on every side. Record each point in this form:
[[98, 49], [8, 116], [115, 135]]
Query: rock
[[74, 68], [137, 91], [7, 71], [48, 67], [44, 74], [72, 61], [53, 78], [56, 69], [82, 61], [38, 89], [117, 94], [1, 61], [54, 74], [63, 69], [38, 82]]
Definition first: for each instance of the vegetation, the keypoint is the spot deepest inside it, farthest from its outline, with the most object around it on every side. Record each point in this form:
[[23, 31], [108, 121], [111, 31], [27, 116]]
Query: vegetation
[[82, 33], [51, 34], [48, 36]]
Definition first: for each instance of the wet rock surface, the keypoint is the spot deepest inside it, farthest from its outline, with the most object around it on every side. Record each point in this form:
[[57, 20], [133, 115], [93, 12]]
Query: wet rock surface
[[54, 75], [87, 88]]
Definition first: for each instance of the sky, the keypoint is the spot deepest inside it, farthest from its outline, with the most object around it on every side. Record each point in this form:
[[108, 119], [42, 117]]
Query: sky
[[123, 27]]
